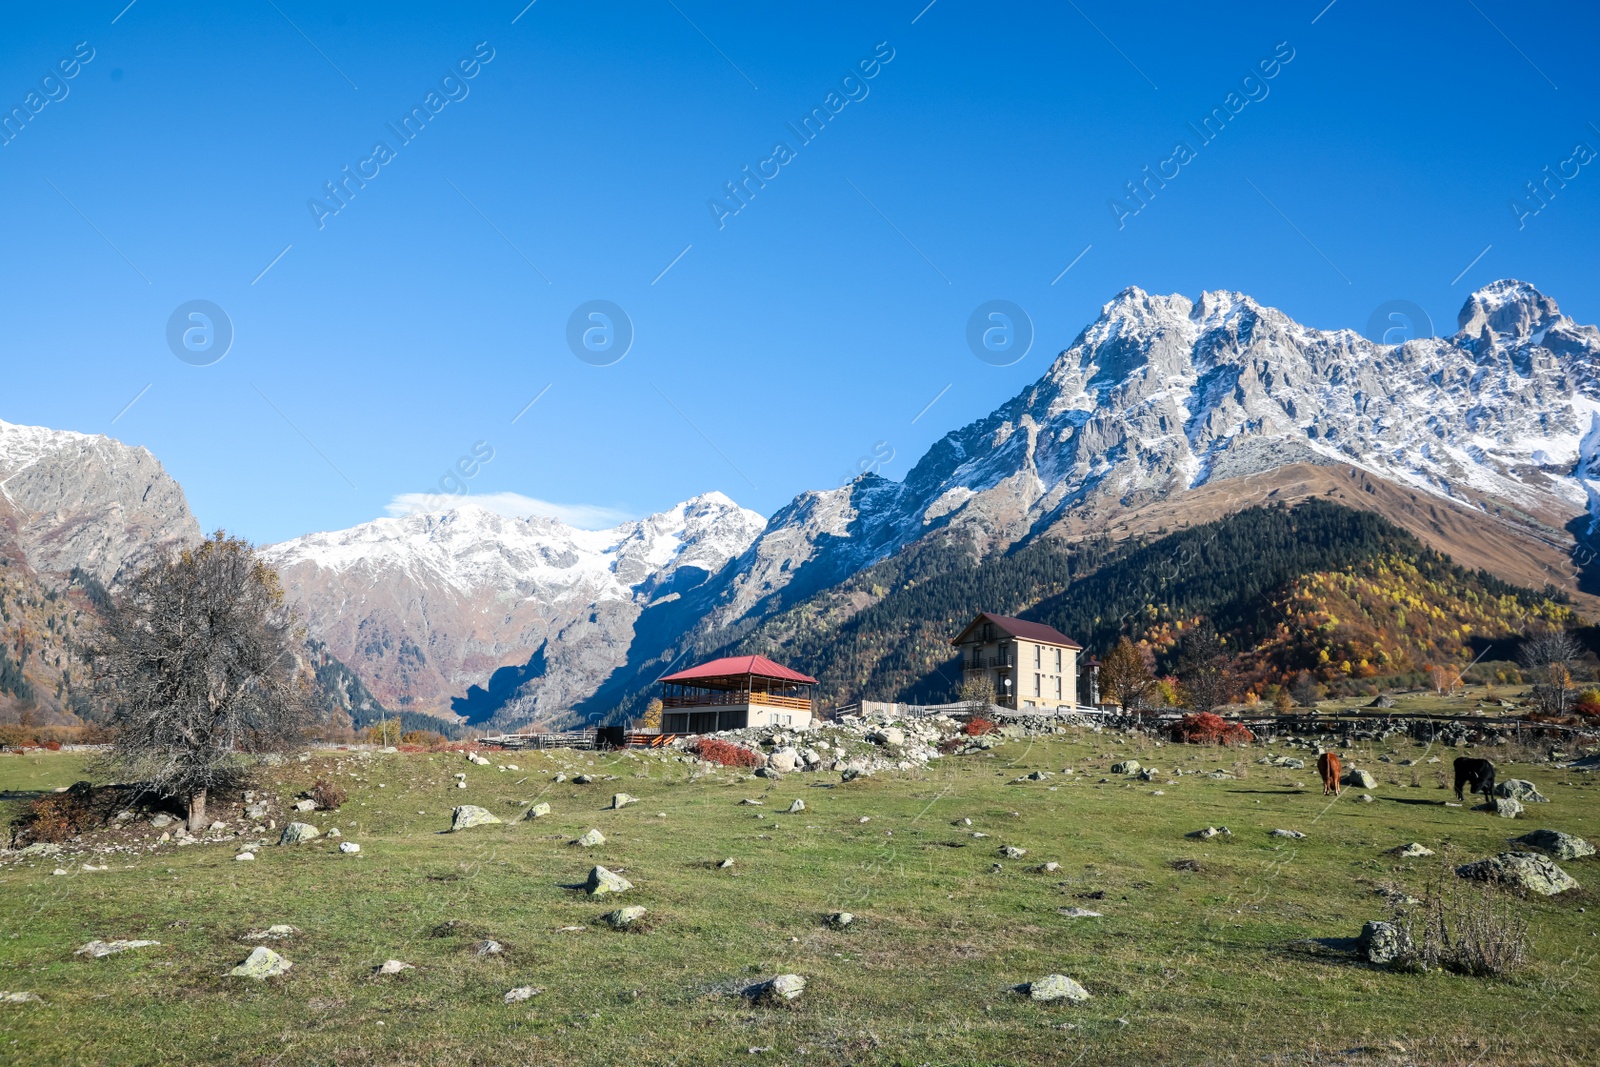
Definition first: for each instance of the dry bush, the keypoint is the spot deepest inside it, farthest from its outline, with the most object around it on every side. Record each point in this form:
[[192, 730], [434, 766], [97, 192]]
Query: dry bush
[[1467, 928], [328, 797], [715, 750], [1209, 728], [55, 817], [977, 727]]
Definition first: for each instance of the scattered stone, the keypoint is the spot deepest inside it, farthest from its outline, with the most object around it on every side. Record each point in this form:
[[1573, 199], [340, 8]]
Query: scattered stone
[[1507, 808], [725, 864], [1050, 868], [538, 811], [1056, 987], [798, 806], [1520, 789], [1528, 870], [1012, 852], [304, 805], [296, 832], [561, 777], [1561, 846], [602, 881], [1209, 832], [1287, 833], [583, 779], [752, 803], [1079, 913], [246, 856], [1415, 850], [590, 839], [1127, 766], [262, 963], [467, 816], [393, 967], [161, 821], [1148, 774], [488, 947], [334, 830], [783, 760], [1384, 943], [1365, 798], [865, 818], [99, 949], [41, 848], [1360, 779], [623, 917], [276, 932], [521, 993], [349, 847], [622, 800], [840, 919], [20, 998], [779, 990]]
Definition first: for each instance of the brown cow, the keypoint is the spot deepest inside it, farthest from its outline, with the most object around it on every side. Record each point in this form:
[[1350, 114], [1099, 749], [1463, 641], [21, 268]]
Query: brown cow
[[1328, 765]]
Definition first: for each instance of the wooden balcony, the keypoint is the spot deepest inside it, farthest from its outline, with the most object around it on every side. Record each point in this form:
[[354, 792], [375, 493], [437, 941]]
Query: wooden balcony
[[722, 698]]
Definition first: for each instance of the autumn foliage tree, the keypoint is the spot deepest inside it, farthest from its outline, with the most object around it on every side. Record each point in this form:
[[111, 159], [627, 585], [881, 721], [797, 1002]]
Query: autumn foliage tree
[[1125, 678], [198, 657]]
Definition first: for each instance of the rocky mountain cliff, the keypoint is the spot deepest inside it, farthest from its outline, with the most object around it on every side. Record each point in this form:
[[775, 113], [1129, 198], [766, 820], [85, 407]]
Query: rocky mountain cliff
[[89, 502], [475, 614]]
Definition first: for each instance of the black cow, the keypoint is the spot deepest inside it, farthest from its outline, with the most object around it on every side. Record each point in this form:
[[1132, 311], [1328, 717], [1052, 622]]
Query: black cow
[[1476, 773]]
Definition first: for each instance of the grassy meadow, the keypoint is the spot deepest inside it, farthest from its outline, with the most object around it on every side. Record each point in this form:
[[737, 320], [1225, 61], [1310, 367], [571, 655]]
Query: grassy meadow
[[1219, 964]]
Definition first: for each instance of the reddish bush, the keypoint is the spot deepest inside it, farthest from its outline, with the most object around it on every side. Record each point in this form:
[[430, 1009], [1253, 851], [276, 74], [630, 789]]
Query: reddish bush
[[50, 746], [976, 727], [54, 817], [714, 750], [327, 796], [1208, 728]]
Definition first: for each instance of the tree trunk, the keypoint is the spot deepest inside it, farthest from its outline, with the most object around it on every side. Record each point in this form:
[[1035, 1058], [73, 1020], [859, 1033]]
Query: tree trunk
[[197, 812]]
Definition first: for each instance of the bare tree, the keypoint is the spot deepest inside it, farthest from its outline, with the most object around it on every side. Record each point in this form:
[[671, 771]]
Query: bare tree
[[199, 656], [1203, 669], [1551, 659], [1125, 677], [977, 691]]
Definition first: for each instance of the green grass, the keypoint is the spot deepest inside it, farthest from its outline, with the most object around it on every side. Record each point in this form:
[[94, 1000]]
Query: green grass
[[1200, 966]]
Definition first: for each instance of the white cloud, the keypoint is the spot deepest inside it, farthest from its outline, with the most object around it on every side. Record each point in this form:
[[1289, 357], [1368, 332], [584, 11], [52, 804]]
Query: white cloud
[[511, 505]]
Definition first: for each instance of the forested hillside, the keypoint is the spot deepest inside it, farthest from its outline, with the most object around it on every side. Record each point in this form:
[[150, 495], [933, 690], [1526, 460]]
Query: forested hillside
[[1314, 587]]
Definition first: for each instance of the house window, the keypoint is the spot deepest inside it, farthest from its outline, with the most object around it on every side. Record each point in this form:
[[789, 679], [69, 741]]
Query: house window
[[1058, 687], [1037, 685], [1058, 661], [1038, 656]]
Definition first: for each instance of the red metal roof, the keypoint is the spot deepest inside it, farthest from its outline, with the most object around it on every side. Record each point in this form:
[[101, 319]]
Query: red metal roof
[[1021, 628], [734, 666]]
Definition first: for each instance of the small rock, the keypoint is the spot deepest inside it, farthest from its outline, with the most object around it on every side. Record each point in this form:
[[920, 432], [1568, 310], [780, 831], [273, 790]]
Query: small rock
[[262, 963], [798, 806], [590, 839], [1507, 808], [840, 919], [20, 998], [333, 831], [1287, 833], [1364, 798], [467, 816], [602, 881], [622, 800], [246, 856], [521, 993], [1079, 913], [349, 847], [725, 864], [1056, 987], [1520, 789], [1012, 852], [304, 805], [394, 967], [1127, 766], [1209, 832], [583, 779], [623, 917], [296, 832], [1384, 943], [276, 932], [99, 949], [488, 947], [1360, 779], [538, 811], [1415, 850], [1050, 868], [160, 821], [779, 990]]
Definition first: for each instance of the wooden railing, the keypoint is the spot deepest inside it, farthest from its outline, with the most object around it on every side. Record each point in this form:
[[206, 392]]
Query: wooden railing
[[707, 700]]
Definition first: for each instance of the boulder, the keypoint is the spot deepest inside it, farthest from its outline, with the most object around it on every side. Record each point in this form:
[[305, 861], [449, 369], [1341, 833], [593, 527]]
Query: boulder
[[1520, 789], [779, 990], [591, 839], [304, 805], [1127, 766], [1056, 987], [798, 806], [99, 949], [1561, 846], [538, 811], [262, 963], [622, 800], [1360, 779], [466, 816], [1384, 943], [623, 917], [602, 881], [783, 760], [889, 735], [1525, 870], [296, 832]]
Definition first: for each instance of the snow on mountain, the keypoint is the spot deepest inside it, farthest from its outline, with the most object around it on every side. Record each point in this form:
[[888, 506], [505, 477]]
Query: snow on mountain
[[1162, 394], [88, 501], [424, 606]]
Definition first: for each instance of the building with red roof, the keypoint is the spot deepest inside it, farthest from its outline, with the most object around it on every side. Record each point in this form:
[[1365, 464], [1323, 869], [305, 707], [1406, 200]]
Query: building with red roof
[[1030, 666], [733, 693]]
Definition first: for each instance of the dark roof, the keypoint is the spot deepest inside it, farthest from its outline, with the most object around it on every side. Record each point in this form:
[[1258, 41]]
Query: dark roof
[[1019, 628], [735, 666]]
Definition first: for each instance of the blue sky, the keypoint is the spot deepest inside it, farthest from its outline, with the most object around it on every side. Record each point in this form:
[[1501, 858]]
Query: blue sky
[[374, 348]]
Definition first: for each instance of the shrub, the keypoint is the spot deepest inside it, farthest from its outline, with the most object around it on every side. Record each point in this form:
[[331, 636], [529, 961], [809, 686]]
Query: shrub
[[328, 797], [1466, 928], [425, 738], [977, 727], [715, 750], [55, 817], [1209, 728]]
